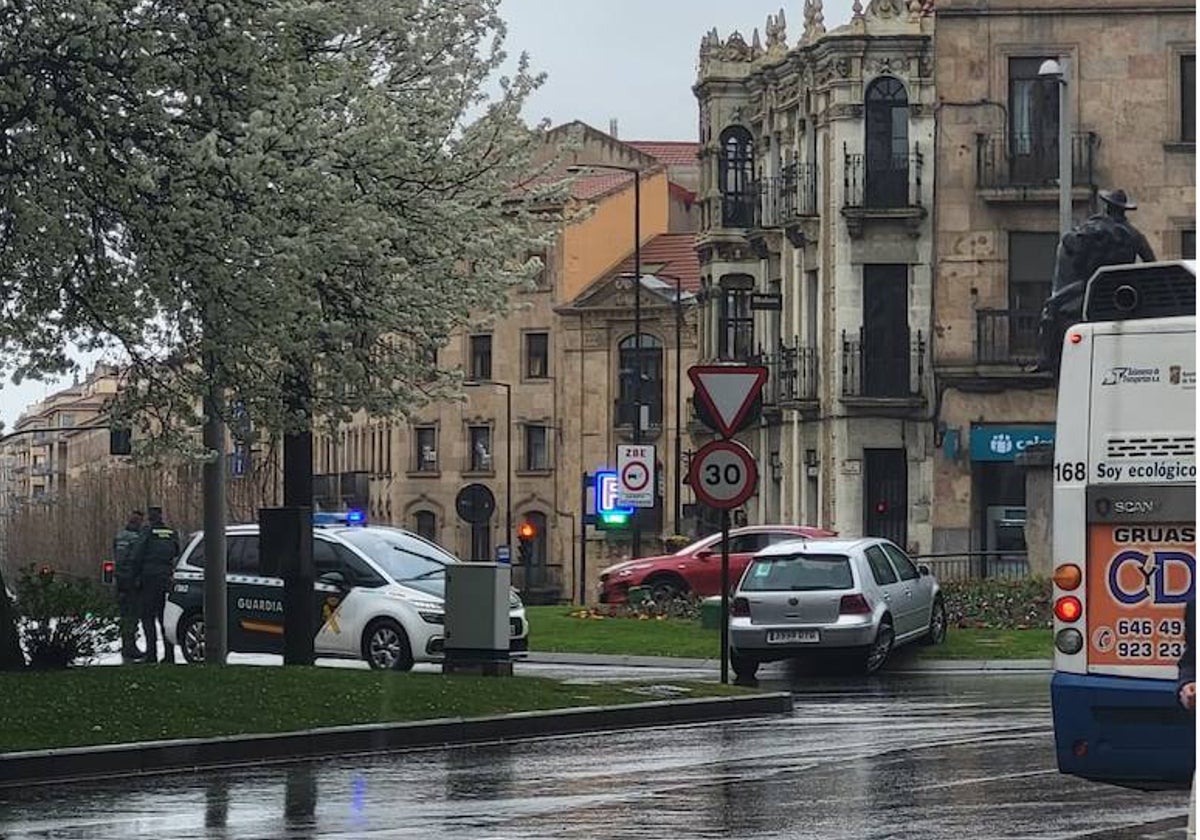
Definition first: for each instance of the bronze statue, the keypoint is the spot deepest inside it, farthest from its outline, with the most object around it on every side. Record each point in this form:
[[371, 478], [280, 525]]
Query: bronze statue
[[1106, 238]]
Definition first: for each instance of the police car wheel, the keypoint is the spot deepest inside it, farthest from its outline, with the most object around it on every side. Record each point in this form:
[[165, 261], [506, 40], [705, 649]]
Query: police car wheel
[[385, 646], [191, 635]]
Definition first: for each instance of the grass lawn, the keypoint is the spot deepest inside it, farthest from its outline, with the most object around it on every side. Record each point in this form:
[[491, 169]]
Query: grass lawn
[[106, 705], [554, 630]]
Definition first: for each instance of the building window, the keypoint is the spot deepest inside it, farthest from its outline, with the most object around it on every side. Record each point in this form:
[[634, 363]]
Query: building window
[[1187, 94], [1033, 120], [887, 143], [736, 177], [1187, 244], [481, 358], [481, 542], [1031, 258], [480, 440], [425, 522], [735, 339], [426, 449], [537, 448], [537, 355], [649, 362]]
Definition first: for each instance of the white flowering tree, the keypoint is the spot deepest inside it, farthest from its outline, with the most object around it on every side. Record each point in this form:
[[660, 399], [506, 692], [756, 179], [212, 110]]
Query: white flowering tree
[[287, 203]]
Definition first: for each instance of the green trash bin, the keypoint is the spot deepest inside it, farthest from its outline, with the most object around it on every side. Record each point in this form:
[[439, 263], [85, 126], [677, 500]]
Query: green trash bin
[[710, 613]]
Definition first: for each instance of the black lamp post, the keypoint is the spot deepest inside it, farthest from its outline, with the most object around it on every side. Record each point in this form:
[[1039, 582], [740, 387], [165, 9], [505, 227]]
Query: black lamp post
[[508, 459]]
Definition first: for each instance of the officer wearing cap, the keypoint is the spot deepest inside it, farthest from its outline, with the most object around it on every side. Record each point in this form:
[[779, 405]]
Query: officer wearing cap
[[153, 563]]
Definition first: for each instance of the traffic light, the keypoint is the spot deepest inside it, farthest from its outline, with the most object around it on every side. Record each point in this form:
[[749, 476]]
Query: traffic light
[[108, 571], [526, 532]]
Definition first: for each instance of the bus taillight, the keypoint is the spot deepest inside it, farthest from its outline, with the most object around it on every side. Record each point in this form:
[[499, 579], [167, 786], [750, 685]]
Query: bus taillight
[[1068, 576], [1068, 608], [1069, 641]]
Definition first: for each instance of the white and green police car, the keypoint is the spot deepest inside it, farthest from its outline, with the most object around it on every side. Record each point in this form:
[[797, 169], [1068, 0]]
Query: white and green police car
[[379, 596]]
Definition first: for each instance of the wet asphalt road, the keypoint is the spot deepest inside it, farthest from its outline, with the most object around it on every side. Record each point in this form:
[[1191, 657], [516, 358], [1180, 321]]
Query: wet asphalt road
[[924, 757]]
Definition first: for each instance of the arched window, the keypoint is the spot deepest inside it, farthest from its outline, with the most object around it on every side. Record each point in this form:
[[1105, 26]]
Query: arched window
[[425, 522], [887, 143], [651, 368], [736, 180]]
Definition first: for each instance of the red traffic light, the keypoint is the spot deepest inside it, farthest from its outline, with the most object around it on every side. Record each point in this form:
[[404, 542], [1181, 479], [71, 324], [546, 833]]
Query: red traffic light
[[526, 531]]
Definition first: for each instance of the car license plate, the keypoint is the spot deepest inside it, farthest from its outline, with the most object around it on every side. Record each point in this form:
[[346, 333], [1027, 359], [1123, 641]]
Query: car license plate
[[791, 637]]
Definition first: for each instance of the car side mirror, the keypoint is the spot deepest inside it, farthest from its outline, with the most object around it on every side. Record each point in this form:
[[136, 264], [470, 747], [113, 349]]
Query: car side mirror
[[333, 579], [924, 570]]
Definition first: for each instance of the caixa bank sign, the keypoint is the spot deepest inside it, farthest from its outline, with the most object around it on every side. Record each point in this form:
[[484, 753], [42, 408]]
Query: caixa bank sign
[[1005, 443]]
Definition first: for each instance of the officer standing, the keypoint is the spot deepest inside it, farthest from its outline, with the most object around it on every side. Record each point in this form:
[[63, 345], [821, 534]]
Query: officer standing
[[127, 595], [153, 563]]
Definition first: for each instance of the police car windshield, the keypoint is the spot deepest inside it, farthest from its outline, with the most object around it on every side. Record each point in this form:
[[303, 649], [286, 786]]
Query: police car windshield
[[404, 557]]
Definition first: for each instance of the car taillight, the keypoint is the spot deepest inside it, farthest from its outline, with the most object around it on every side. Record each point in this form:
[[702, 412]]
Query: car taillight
[[741, 608], [1068, 576], [1068, 608], [854, 605]]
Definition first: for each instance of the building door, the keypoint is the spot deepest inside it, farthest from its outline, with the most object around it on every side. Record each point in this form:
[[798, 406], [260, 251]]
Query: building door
[[885, 485], [885, 339]]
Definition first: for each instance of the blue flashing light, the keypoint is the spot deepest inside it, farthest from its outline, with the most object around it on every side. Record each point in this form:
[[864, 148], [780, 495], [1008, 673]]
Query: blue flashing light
[[350, 517]]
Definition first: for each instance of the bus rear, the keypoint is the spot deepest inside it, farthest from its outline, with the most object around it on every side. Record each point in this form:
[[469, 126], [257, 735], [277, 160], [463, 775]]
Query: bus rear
[[1124, 529]]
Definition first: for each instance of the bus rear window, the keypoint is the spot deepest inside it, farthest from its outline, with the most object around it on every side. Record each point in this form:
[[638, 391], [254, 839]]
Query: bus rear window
[[798, 573]]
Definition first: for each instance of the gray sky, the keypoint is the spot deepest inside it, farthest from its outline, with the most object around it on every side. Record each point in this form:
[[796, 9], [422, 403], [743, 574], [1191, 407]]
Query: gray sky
[[633, 60]]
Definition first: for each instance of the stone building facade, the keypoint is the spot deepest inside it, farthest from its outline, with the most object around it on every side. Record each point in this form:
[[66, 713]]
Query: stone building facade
[[1131, 90], [815, 247]]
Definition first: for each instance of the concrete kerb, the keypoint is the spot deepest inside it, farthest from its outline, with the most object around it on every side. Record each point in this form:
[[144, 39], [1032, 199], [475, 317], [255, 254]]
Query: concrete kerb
[[901, 666], [117, 760]]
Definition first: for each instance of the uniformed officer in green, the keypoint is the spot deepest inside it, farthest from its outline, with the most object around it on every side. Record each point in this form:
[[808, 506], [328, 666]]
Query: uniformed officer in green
[[127, 595], [153, 562]]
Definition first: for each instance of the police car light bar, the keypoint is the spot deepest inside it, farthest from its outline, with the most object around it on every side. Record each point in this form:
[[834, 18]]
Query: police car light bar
[[349, 517]]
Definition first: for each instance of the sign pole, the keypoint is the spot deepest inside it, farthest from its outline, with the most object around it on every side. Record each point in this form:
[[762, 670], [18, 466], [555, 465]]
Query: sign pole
[[583, 523], [725, 597]]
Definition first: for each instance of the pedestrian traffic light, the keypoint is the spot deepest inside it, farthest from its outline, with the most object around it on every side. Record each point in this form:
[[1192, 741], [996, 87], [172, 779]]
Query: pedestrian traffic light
[[108, 570], [526, 532]]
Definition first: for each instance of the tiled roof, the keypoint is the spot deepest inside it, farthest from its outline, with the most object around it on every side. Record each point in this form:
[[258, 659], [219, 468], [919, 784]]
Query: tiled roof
[[670, 152], [668, 256], [601, 183]]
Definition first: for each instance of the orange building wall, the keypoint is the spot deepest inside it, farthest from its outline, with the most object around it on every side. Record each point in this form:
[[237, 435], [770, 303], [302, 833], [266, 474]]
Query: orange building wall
[[605, 238]]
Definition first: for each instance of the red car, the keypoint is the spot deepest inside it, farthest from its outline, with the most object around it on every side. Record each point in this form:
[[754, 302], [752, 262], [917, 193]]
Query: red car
[[697, 568]]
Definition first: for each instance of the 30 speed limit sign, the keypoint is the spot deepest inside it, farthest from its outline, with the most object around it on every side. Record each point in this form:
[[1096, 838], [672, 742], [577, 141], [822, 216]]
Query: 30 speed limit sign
[[724, 474]]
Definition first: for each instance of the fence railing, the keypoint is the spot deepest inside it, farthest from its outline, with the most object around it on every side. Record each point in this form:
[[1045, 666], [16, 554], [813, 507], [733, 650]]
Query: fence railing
[[881, 182], [872, 367], [1031, 160], [1006, 337], [783, 198], [977, 565], [791, 373]]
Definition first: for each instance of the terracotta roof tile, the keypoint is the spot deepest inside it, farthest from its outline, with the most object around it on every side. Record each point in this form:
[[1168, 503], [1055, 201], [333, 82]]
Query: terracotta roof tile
[[601, 183], [668, 256], [670, 152]]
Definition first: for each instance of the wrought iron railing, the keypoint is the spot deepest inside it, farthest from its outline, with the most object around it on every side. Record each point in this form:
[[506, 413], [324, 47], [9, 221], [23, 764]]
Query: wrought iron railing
[[1005, 161], [1006, 337], [786, 197], [881, 182], [791, 373], [882, 367], [976, 565]]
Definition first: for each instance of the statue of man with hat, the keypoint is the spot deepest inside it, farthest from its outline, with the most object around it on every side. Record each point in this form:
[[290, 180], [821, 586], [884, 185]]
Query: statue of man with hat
[[1105, 238]]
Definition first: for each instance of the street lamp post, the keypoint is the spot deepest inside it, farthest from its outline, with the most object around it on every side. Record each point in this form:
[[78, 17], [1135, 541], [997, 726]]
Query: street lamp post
[[508, 457], [637, 313], [1059, 71]]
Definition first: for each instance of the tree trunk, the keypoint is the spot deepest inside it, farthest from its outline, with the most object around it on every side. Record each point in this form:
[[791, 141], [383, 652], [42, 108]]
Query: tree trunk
[[11, 657]]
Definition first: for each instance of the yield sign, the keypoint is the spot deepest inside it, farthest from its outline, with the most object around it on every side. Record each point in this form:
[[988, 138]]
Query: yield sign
[[728, 391]]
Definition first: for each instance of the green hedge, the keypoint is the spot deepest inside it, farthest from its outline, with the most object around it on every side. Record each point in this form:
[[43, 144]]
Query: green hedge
[[1000, 604]]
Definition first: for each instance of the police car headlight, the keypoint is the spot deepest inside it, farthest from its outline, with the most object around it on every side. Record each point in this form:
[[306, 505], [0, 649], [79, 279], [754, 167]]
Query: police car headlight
[[432, 617], [514, 600], [427, 606]]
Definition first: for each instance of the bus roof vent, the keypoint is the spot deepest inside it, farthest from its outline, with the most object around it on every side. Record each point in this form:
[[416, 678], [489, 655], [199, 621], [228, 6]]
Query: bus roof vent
[[1141, 290]]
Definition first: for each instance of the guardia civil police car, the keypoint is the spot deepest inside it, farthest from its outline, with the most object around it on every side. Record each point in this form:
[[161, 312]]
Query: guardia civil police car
[[379, 596]]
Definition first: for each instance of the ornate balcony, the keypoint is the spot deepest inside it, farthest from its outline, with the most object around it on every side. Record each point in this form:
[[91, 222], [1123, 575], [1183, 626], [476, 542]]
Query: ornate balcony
[[883, 187]]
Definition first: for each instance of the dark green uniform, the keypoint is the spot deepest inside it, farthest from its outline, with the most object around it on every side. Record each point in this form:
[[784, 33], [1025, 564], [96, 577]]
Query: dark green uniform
[[127, 592], [153, 563]]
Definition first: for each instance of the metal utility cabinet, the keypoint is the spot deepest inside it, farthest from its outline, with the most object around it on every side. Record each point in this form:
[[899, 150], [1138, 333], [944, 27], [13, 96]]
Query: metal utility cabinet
[[477, 624]]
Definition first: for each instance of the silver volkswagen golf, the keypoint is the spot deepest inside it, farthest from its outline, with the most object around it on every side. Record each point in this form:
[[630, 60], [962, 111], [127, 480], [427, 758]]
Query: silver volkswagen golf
[[861, 598]]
